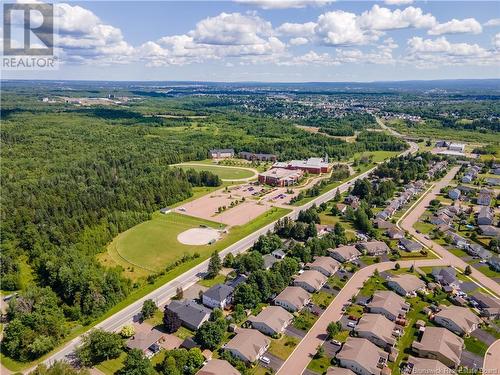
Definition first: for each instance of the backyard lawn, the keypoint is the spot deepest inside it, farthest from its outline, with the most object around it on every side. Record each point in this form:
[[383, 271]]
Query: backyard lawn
[[319, 365], [111, 366], [219, 279], [305, 320], [322, 299]]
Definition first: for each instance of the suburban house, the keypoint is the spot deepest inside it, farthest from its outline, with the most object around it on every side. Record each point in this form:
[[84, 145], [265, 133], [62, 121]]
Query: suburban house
[[293, 298], [272, 320], [458, 147], [257, 156], [191, 314], [446, 276], [278, 254], [326, 265], [339, 371], [394, 233], [310, 280], [479, 251], [410, 245], [388, 304], [459, 320], [489, 306], [405, 284], [220, 296], [311, 165], [221, 153], [419, 366], [248, 345], [269, 260], [374, 247], [485, 216], [383, 224], [345, 253], [494, 262], [454, 194], [457, 240], [362, 357], [217, 367], [489, 230], [441, 344], [280, 177], [378, 329], [440, 219], [144, 340], [484, 197]]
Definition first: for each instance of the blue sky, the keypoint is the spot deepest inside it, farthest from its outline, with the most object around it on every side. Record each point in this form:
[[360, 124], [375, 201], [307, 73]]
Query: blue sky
[[276, 40]]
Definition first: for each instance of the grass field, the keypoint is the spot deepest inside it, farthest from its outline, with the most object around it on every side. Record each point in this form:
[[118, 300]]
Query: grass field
[[283, 346], [224, 173], [150, 246]]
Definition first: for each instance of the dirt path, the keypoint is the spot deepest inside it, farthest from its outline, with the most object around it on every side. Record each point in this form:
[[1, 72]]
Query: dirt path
[[416, 212], [303, 353]]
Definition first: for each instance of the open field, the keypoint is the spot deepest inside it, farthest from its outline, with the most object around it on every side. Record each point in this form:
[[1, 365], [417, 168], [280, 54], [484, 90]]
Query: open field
[[224, 172], [150, 246]]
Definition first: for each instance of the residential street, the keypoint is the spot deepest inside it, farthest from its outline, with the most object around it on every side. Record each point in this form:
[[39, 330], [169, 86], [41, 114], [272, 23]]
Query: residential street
[[303, 353], [418, 210], [491, 364]]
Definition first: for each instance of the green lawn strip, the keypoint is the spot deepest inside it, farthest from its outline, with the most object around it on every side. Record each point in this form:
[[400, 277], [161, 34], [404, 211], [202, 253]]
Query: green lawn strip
[[219, 279], [322, 299], [423, 227], [156, 319], [371, 285], [305, 320], [221, 171], [319, 365], [283, 347], [184, 333], [487, 271], [341, 336], [354, 311], [368, 260], [111, 366], [475, 346]]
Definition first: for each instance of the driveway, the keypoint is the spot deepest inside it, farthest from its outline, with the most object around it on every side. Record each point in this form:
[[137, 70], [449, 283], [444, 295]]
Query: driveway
[[471, 360], [483, 336], [275, 363], [294, 332]]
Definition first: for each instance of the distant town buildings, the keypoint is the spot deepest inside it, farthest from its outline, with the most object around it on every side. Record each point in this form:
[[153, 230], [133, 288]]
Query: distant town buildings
[[257, 156]]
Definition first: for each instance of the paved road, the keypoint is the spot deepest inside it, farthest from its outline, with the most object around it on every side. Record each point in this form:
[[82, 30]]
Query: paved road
[[452, 260], [303, 353], [168, 290], [491, 364]]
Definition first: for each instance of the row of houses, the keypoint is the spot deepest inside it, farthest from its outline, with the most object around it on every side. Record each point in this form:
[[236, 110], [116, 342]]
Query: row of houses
[[436, 168], [410, 191], [470, 174]]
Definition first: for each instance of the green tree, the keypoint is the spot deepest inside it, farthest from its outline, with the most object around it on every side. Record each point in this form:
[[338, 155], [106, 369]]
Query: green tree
[[148, 309], [333, 328], [210, 334], [214, 265], [59, 368], [171, 321], [98, 346], [397, 266], [247, 296], [136, 364], [468, 270]]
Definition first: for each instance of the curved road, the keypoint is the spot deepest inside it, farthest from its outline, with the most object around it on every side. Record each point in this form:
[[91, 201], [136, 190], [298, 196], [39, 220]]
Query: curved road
[[412, 217], [303, 353], [491, 364]]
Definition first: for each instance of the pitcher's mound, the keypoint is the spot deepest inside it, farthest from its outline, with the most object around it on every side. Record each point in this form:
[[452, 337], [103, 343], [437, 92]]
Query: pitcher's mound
[[198, 236]]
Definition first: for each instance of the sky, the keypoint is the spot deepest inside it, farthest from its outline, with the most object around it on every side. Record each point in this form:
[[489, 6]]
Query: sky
[[275, 40]]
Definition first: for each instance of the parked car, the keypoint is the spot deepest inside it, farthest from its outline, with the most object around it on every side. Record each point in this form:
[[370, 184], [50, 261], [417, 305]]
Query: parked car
[[336, 342], [351, 324], [265, 360]]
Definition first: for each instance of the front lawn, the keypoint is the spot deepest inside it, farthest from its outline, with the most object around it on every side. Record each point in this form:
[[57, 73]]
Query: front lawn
[[111, 366], [475, 346], [305, 320], [319, 365], [219, 279], [322, 299], [283, 347]]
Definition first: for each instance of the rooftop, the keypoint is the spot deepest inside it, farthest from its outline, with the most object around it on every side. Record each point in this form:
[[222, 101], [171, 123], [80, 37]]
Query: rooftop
[[274, 317], [362, 352], [440, 340], [461, 316], [248, 342]]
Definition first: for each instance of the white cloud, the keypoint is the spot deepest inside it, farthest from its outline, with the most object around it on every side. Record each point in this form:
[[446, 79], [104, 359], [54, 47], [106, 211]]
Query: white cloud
[[468, 25], [231, 29], [297, 29], [298, 41], [341, 28], [496, 41], [398, 2], [442, 45], [379, 18], [492, 22], [284, 4]]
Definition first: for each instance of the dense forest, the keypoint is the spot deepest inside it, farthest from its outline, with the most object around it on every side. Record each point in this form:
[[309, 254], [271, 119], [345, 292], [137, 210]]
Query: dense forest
[[74, 177]]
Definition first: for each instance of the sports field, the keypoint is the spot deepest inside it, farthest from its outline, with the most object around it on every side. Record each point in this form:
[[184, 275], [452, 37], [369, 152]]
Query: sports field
[[224, 172], [150, 246]]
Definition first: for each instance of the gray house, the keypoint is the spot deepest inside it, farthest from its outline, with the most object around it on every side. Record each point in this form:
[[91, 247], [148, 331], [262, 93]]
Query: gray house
[[191, 314]]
